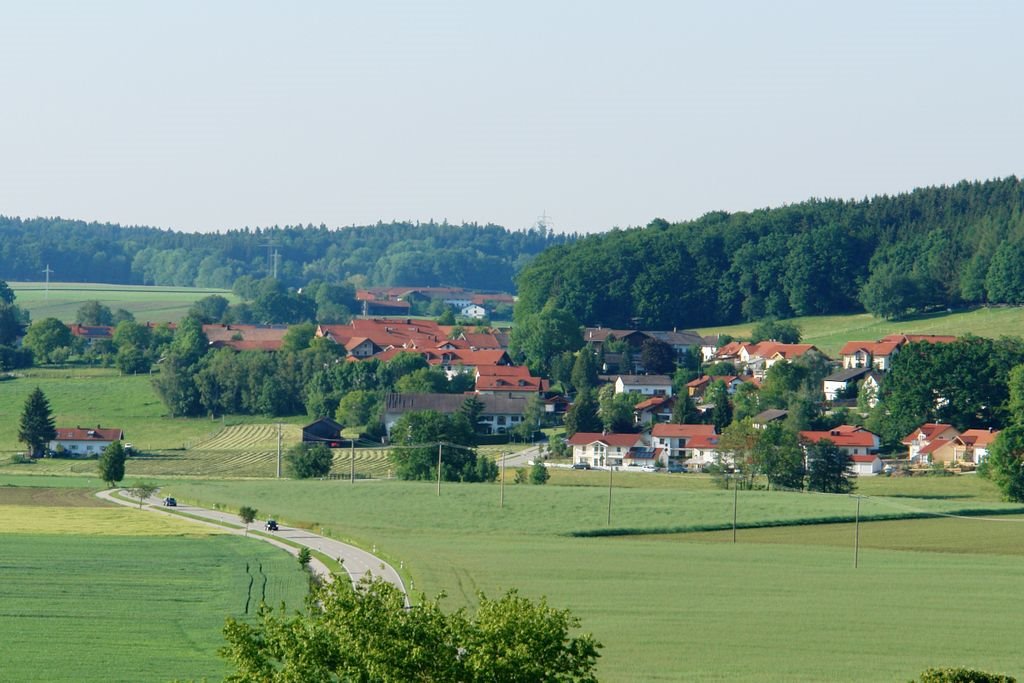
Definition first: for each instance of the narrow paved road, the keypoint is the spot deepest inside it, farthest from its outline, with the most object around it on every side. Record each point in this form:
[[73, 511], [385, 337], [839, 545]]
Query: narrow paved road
[[357, 562]]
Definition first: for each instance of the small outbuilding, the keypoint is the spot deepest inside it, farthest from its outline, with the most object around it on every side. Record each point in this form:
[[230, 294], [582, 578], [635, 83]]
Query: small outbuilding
[[325, 431]]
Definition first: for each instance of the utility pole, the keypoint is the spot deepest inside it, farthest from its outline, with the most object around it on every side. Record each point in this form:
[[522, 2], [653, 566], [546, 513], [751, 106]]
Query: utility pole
[[352, 463], [278, 450], [271, 260], [47, 270]]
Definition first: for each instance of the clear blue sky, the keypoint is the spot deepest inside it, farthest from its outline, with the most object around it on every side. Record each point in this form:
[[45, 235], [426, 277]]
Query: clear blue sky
[[199, 115]]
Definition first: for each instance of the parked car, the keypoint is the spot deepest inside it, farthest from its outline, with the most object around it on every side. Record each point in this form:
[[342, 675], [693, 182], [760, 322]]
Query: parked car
[[648, 468], [675, 468], [271, 525], [170, 502], [581, 466]]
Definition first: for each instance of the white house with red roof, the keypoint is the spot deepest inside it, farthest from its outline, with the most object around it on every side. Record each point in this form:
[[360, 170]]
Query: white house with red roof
[[850, 439], [598, 449], [927, 438], [85, 441], [693, 444]]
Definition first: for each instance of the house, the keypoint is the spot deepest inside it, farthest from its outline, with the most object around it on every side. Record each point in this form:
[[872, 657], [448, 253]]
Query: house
[[654, 409], [325, 431], [648, 385], [508, 378], [867, 354], [766, 417], [245, 337], [693, 444], [92, 333], [681, 341], [865, 465], [610, 450], [697, 388], [927, 438], [973, 445], [85, 441], [475, 311], [500, 412], [839, 384], [850, 439]]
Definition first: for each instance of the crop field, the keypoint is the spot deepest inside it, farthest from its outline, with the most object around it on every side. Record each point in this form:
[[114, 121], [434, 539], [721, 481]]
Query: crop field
[[695, 606], [146, 303], [90, 580], [830, 332]]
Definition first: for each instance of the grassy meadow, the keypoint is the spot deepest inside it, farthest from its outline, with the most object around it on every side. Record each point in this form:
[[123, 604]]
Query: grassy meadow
[[694, 606], [91, 580], [146, 303], [830, 332]]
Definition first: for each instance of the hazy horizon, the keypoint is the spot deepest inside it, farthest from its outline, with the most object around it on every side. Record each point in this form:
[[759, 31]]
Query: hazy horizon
[[206, 117]]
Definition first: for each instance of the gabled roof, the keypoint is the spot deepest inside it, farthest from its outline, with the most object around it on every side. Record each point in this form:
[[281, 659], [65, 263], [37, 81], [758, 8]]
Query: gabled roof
[[977, 437], [770, 415], [864, 458], [935, 445], [927, 431], [654, 402], [881, 348], [930, 338], [612, 439], [91, 331], [666, 430], [842, 436], [847, 375], [87, 434]]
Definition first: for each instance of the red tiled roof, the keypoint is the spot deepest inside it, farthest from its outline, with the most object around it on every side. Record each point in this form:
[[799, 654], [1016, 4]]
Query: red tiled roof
[[863, 458], [928, 430], [882, 348], [674, 431], [87, 434], [978, 437], [844, 436], [935, 445]]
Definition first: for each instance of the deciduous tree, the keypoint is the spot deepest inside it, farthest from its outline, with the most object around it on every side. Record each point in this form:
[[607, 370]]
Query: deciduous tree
[[111, 463], [306, 461], [828, 468]]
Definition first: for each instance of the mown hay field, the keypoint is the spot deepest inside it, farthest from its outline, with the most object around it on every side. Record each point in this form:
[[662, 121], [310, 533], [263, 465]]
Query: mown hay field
[[689, 606], [147, 303], [830, 332]]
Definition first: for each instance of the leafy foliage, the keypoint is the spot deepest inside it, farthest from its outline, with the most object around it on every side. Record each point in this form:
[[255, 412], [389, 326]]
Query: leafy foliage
[[827, 468], [417, 435], [111, 463], [306, 461], [890, 255], [960, 675], [367, 635]]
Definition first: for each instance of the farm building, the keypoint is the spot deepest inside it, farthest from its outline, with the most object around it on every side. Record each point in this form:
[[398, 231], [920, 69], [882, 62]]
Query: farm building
[[85, 441], [325, 430]]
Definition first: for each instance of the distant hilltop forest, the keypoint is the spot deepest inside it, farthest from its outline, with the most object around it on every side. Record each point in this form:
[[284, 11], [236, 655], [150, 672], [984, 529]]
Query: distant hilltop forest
[[931, 248], [470, 256]]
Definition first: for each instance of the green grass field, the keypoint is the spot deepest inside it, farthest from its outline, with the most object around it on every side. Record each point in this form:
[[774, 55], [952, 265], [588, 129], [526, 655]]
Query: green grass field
[[830, 332], [152, 304], [690, 606], [115, 594]]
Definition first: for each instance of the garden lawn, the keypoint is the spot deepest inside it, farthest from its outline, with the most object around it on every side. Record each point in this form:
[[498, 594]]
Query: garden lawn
[[673, 606]]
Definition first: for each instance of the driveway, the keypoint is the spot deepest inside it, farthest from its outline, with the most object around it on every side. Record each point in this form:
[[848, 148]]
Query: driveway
[[356, 561]]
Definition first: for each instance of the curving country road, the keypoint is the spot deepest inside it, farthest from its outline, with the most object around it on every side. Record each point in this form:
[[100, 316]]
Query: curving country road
[[356, 562]]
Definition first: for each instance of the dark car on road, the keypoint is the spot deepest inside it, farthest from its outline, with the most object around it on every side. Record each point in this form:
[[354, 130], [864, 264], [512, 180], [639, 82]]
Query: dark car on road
[[271, 525], [170, 502], [581, 466]]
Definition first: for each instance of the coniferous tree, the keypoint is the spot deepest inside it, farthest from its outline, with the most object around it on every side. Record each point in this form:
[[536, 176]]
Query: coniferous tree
[[36, 428]]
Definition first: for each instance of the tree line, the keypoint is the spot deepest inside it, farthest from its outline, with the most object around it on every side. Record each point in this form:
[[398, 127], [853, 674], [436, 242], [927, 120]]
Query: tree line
[[474, 256], [890, 255]]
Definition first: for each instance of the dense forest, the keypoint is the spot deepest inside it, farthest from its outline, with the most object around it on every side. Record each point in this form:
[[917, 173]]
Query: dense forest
[[890, 255], [421, 254]]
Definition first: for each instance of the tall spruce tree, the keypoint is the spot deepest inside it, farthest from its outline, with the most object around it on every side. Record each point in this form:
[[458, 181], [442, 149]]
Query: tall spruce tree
[[111, 463], [36, 428]]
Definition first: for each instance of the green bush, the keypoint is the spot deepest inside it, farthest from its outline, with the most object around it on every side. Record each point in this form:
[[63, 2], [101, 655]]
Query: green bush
[[306, 461], [955, 675]]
